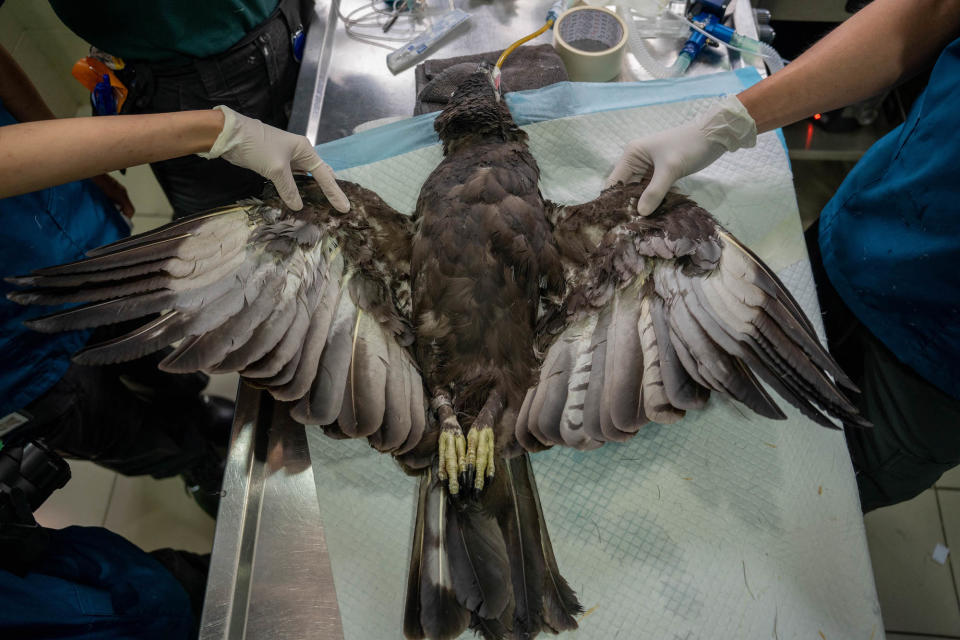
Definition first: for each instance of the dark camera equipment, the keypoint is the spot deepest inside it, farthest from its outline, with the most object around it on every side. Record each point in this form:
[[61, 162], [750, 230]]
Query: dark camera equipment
[[29, 472], [28, 468], [33, 469]]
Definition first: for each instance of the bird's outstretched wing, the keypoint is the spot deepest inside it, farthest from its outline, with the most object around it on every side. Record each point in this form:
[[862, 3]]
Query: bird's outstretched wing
[[312, 306], [659, 312]]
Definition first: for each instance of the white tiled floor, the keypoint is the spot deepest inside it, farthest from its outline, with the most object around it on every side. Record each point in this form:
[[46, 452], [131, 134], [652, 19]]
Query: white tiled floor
[[150, 513], [84, 501], [917, 595], [158, 513]]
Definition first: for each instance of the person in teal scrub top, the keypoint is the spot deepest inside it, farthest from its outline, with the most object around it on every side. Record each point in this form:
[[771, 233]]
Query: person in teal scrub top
[[886, 256]]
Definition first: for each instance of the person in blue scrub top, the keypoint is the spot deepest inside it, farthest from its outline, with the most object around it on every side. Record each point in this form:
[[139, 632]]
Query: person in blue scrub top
[[886, 256], [86, 581]]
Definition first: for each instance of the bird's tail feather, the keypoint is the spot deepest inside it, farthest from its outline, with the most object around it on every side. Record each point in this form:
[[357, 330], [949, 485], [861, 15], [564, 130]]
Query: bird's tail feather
[[560, 603], [432, 610], [493, 567]]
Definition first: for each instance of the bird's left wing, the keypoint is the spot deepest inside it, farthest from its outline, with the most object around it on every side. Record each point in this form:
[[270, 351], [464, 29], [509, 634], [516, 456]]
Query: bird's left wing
[[312, 306], [660, 311]]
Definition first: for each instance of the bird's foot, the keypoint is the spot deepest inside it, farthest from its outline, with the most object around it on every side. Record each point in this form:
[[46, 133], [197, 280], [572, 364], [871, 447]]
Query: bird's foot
[[479, 457], [452, 463]]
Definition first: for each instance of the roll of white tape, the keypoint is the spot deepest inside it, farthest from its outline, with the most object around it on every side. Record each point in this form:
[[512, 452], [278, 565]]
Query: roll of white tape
[[590, 41]]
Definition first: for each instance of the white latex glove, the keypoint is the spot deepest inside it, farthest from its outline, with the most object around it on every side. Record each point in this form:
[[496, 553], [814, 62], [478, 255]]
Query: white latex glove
[[675, 153], [274, 154]]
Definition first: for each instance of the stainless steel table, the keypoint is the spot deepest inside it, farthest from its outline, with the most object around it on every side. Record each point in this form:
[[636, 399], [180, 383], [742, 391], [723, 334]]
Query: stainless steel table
[[270, 575]]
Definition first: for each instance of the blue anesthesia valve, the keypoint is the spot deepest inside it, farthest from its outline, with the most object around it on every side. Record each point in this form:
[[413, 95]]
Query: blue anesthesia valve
[[711, 13], [709, 23]]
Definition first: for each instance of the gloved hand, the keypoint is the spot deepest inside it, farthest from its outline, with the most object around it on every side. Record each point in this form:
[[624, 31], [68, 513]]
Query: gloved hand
[[249, 143], [675, 153]]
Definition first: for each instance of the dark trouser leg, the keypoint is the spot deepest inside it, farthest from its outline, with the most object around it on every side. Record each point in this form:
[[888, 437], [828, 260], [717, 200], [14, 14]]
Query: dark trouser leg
[[916, 433], [193, 184], [90, 414]]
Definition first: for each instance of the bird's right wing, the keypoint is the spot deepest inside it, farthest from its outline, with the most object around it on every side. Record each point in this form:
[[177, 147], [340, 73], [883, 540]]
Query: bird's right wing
[[312, 306], [659, 312]]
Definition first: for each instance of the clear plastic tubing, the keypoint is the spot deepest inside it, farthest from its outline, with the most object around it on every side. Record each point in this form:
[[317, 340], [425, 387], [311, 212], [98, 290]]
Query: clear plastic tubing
[[746, 45], [679, 67], [768, 53], [642, 54]]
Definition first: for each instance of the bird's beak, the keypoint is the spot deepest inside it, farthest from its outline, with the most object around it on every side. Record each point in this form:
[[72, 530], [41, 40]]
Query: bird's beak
[[493, 75]]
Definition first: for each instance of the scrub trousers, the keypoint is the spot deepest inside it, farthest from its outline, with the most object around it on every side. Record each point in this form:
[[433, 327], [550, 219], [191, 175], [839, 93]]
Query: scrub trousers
[[916, 432]]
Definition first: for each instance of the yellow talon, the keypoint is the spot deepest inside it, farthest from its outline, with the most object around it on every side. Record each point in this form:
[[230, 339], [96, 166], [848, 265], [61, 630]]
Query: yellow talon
[[480, 454], [451, 457]]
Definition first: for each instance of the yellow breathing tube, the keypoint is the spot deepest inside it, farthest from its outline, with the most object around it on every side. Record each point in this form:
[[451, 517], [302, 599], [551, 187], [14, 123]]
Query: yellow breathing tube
[[552, 15], [546, 27]]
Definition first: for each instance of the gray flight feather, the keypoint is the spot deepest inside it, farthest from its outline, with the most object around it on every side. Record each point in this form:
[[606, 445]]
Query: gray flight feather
[[555, 398], [683, 391], [656, 403], [314, 341], [593, 400], [151, 337], [367, 377], [522, 428], [103, 313], [284, 351], [554, 374], [418, 413], [572, 433], [624, 366], [232, 216], [396, 417], [323, 403]]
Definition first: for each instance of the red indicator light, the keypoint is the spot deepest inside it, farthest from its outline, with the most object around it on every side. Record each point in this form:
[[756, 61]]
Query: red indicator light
[[817, 116]]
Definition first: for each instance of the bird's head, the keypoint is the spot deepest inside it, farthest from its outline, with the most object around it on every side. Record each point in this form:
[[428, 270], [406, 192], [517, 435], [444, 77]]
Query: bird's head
[[476, 112]]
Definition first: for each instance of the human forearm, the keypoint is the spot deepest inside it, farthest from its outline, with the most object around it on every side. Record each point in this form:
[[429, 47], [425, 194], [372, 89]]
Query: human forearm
[[883, 43], [35, 155], [18, 94]]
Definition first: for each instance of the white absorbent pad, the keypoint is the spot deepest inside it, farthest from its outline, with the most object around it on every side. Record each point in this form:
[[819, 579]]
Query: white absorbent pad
[[723, 526]]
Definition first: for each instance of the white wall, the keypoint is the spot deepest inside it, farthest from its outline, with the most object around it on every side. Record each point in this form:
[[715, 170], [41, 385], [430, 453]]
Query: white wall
[[32, 33]]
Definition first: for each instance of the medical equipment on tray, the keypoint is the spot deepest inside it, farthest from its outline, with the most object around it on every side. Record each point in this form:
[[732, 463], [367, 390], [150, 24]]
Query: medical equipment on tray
[[421, 46], [706, 26], [591, 42]]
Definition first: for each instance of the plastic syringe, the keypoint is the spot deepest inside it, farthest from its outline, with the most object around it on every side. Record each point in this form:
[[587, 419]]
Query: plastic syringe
[[421, 46]]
